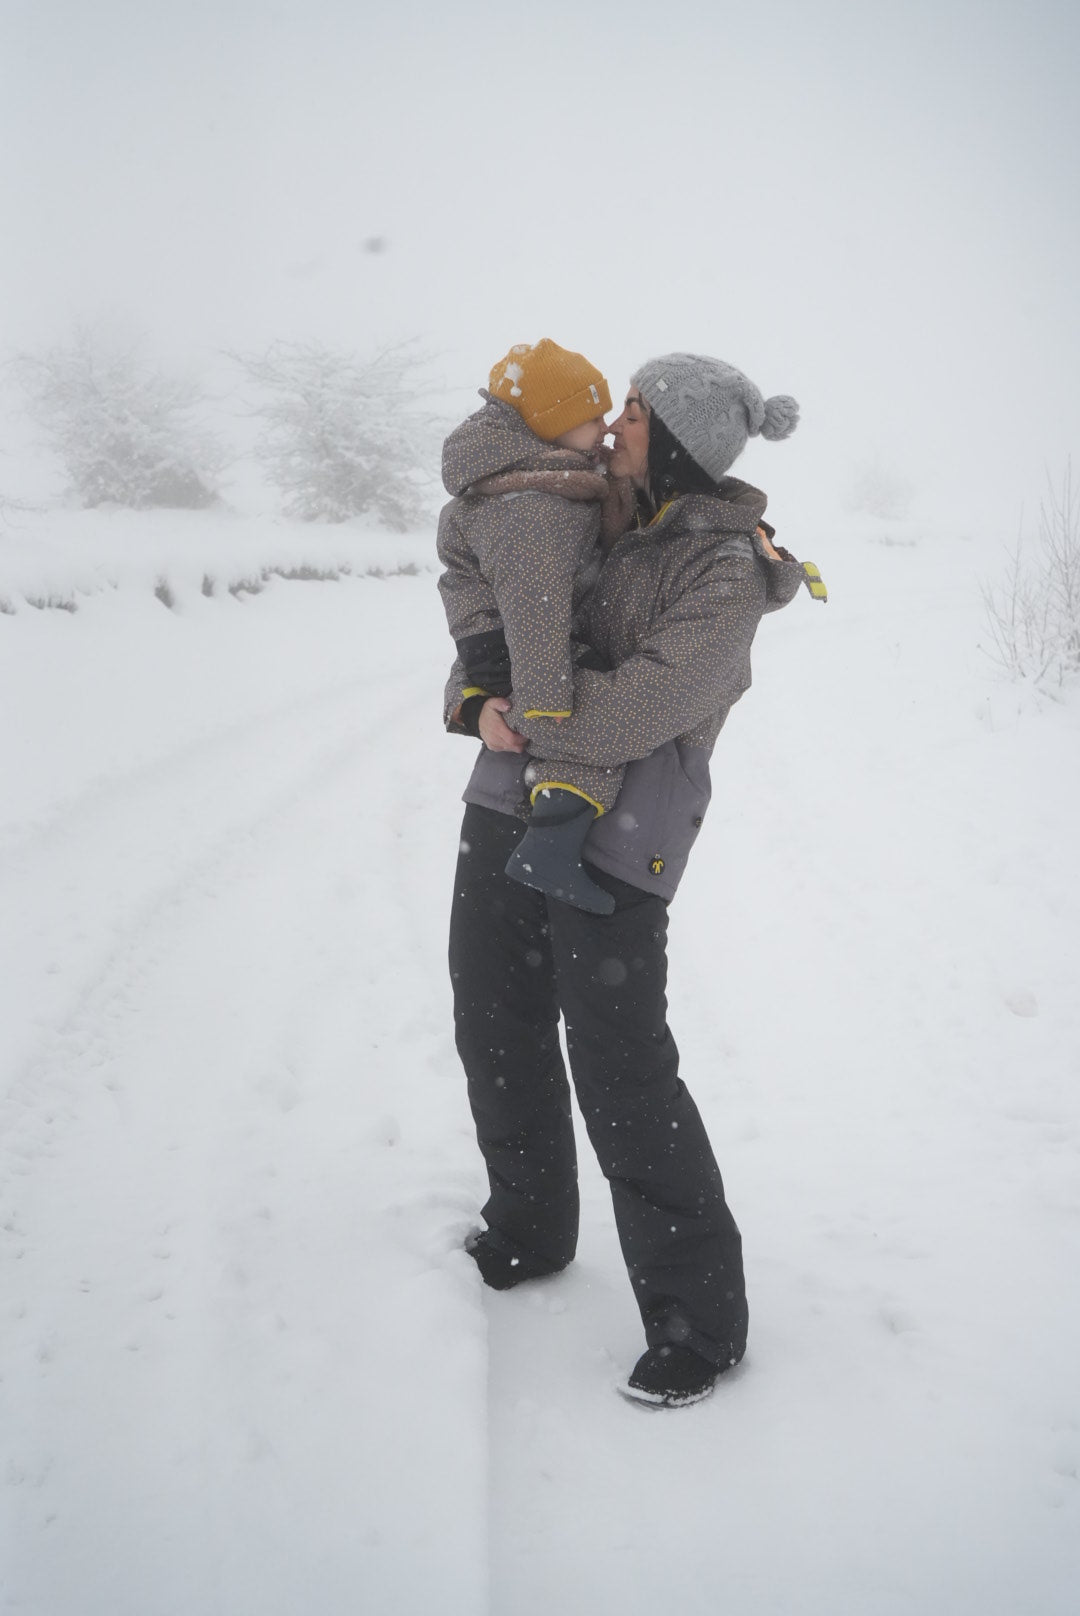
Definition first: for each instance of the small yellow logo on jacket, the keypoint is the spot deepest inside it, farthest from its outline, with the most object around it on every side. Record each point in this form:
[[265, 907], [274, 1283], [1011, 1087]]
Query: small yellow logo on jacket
[[656, 864]]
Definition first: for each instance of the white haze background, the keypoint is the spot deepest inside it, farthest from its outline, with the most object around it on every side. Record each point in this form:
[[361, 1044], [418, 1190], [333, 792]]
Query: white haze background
[[871, 206]]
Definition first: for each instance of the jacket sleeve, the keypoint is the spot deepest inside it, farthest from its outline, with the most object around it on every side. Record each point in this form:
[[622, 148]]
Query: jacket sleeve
[[467, 596], [694, 662], [531, 569], [783, 580], [453, 696]]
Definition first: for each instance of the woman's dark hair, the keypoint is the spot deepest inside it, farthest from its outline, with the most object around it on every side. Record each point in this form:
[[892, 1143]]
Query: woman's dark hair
[[672, 469]]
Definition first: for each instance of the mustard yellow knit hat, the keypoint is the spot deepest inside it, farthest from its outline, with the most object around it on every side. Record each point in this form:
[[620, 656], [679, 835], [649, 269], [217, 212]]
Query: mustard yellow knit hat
[[552, 389]]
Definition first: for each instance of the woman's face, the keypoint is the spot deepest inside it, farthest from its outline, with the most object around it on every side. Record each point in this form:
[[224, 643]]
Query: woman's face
[[630, 455]]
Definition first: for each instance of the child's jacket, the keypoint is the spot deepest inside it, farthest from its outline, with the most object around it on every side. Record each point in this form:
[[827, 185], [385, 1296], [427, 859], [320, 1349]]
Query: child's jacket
[[519, 544]]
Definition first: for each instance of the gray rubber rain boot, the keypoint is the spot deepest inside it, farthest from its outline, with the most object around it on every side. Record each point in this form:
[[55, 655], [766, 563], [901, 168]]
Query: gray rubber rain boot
[[548, 857]]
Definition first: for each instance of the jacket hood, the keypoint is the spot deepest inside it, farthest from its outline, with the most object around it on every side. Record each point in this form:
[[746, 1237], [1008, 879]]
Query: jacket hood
[[495, 440]]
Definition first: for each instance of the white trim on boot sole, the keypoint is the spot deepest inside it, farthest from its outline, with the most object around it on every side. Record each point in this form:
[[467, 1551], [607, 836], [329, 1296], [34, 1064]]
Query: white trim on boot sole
[[645, 1399]]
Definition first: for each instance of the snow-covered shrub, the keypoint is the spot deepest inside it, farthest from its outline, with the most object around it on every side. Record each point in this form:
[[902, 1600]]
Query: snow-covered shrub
[[1033, 614], [344, 435], [127, 432]]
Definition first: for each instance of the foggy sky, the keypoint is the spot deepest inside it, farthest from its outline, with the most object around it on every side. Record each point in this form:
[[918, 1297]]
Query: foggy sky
[[873, 206]]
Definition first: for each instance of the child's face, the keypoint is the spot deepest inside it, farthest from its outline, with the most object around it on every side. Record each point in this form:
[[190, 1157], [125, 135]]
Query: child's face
[[630, 456], [584, 438]]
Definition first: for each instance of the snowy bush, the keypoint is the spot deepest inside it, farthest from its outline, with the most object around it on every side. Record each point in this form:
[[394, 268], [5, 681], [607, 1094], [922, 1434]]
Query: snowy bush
[[342, 435], [128, 433], [1034, 614]]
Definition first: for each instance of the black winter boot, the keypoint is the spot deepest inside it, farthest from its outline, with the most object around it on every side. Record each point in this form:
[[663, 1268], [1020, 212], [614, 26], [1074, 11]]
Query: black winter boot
[[671, 1376], [499, 1270], [548, 857]]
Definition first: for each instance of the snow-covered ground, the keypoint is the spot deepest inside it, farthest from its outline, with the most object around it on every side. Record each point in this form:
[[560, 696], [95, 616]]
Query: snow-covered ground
[[247, 1369]]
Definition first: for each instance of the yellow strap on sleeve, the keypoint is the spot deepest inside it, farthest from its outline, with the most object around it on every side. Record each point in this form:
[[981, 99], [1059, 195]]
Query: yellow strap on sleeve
[[814, 581], [474, 690], [536, 712]]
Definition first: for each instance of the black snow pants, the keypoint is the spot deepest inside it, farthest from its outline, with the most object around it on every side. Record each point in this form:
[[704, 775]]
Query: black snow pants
[[518, 959]]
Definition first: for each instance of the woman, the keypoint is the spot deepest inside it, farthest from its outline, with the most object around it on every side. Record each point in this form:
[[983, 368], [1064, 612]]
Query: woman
[[672, 617]]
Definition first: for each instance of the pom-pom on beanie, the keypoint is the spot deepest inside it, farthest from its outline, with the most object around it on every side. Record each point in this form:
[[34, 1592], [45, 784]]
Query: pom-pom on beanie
[[552, 389], [712, 408]]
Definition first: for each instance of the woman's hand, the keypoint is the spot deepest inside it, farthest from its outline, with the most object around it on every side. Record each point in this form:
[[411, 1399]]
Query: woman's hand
[[495, 732], [767, 545]]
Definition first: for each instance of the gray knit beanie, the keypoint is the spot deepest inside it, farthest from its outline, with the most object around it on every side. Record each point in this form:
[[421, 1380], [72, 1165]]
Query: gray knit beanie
[[712, 408]]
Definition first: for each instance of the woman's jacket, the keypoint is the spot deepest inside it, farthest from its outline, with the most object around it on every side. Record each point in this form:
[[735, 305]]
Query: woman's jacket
[[673, 613]]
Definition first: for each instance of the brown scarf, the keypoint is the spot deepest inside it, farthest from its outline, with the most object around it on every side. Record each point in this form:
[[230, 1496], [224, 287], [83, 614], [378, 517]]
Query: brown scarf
[[615, 494]]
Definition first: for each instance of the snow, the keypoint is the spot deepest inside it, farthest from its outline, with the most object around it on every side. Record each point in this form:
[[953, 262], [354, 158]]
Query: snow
[[246, 1365]]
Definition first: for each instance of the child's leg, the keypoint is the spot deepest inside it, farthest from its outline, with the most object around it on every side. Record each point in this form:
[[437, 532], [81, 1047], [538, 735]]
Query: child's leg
[[566, 799], [600, 787]]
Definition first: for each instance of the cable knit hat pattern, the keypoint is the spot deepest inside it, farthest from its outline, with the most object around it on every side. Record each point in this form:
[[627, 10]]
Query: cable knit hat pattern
[[552, 389], [712, 408]]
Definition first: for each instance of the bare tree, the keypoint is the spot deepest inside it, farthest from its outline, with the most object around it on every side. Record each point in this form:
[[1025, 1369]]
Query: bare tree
[[128, 432], [344, 435], [1033, 614]]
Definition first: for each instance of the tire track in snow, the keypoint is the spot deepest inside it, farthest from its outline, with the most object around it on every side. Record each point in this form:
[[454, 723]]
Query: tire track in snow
[[20, 838], [241, 865], [38, 1095]]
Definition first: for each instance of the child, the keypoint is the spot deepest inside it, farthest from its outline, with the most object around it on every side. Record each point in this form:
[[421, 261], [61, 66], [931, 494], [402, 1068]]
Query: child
[[518, 540]]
